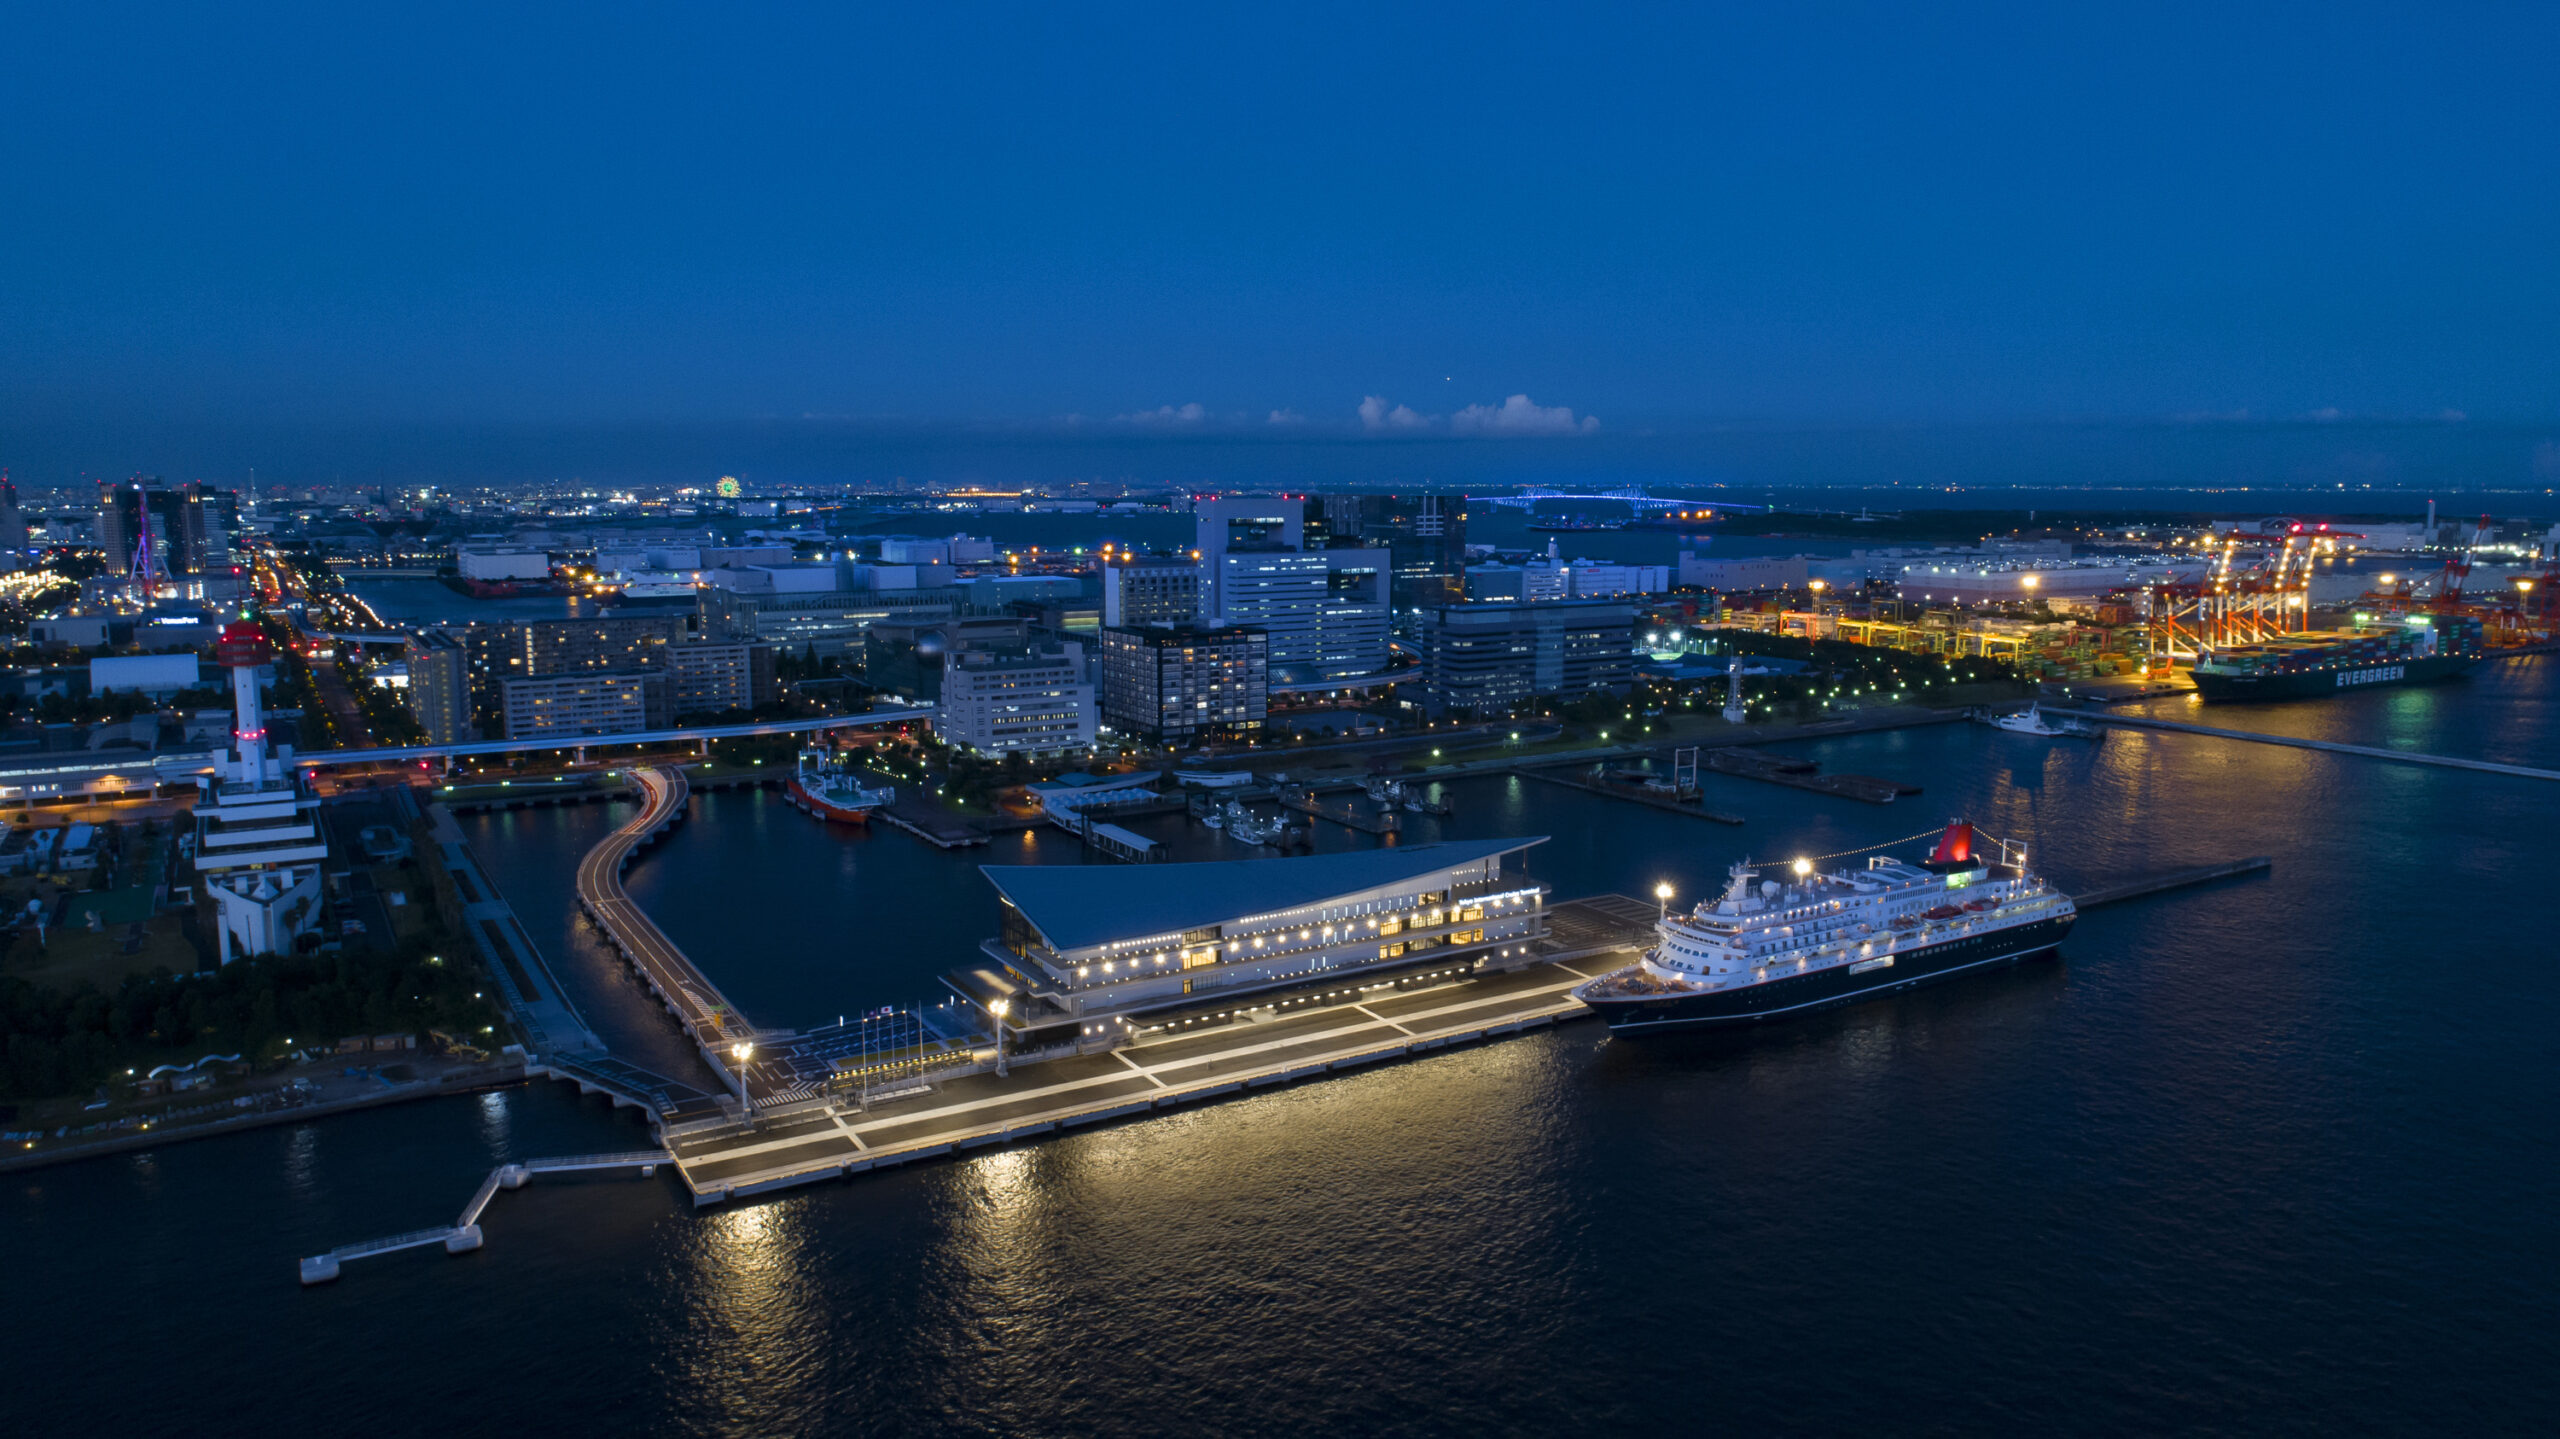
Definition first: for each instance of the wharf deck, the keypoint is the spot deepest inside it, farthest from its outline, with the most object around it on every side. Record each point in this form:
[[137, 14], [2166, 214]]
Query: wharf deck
[[1260, 1047]]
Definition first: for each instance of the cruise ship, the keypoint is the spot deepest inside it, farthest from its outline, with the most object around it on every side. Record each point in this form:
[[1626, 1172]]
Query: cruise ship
[[1768, 948]]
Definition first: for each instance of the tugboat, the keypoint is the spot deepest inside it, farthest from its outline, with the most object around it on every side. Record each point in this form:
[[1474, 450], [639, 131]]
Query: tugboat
[[1767, 949], [826, 786]]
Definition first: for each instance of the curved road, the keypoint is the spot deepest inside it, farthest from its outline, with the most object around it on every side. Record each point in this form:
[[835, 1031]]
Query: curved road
[[707, 1014]]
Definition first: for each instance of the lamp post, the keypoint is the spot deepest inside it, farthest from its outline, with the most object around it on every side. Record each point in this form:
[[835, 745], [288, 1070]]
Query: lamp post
[[1662, 900], [998, 1011], [740, 1052]]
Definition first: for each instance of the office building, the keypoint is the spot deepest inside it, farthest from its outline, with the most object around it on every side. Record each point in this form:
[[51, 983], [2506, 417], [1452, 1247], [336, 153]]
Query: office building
[[590, 702], [1184, 683], [1482, 659], [155, 532], [1034, 699], [1325, 610], [1424, 535], [1151, 592]]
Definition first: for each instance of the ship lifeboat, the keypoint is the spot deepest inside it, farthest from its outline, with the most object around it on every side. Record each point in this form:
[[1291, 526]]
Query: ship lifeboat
[[1944, 911], [1979, 905], [1905, 922]]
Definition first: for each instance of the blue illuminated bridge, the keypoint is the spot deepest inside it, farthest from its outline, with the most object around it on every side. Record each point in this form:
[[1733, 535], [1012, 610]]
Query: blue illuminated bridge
[[1634, 496]]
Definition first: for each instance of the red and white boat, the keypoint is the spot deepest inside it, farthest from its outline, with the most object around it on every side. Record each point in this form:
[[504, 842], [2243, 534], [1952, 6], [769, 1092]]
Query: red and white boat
[[826, 786]]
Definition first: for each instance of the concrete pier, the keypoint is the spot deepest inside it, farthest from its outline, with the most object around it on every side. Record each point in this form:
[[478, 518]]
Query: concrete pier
[[2172, 879], [2397, 756], [1669, 806]]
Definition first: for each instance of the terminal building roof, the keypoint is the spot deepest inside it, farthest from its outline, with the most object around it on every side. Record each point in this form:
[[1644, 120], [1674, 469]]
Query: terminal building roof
[[1076, 905]]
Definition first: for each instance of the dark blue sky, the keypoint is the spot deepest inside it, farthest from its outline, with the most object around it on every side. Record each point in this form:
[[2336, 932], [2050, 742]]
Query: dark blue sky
[[1662, 216]]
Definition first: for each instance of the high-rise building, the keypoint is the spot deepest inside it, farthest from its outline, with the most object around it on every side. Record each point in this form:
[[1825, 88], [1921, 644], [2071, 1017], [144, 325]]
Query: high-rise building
[[1185, 683], [170, 530], [440, 687], [1482, 659], [1326, 610], [1151, 592], [541, 648], [711, 678], [1425, 536], [1034, 698], [13, 521]]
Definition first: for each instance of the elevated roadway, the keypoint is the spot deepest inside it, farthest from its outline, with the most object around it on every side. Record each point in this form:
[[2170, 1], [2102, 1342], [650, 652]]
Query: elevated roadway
[[715, 1025]]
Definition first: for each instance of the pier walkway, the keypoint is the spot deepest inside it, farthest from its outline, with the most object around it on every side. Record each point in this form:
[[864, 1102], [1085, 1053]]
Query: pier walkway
[[2397, 756], [697, 1003], [463, 1235]]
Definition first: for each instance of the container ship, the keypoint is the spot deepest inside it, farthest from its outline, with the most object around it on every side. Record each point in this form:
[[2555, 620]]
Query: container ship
[[2418, 650], [1770, 948], [826, 786]]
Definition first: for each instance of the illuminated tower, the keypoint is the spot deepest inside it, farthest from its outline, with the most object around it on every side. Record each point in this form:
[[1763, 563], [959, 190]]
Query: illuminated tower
[[258, 842]]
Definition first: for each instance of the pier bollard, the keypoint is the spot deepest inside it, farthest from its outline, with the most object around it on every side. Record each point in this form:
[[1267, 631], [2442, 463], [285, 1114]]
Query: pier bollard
[[512, 1176], [648, 1171], [463, 1240], [319, 1269]]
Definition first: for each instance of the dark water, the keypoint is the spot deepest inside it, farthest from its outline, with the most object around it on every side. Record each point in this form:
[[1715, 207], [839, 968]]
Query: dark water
[[2268, 1157]]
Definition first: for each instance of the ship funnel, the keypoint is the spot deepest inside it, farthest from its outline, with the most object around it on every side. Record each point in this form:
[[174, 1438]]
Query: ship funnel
[[1955, 847]]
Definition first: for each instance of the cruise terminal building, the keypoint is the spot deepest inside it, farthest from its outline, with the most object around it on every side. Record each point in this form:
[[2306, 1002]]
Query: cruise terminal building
[[1091, 956]]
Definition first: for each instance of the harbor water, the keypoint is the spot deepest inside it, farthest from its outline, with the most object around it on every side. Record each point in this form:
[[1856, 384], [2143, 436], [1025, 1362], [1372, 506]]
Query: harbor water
[[2265, 1157]]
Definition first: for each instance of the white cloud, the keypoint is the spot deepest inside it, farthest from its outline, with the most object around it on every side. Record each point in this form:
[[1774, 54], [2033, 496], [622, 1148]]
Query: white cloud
[[1520, 416], [1375, 415], [1287, 417], [1190, 414], [2328, 414]]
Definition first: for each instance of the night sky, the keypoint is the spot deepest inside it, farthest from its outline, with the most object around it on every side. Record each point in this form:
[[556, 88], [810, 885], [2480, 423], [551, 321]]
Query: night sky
[[1360, 222]]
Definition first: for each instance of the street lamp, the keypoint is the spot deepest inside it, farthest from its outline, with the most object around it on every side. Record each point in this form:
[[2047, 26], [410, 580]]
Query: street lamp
[[1662, 899], [739, 1052], [998, 1011]]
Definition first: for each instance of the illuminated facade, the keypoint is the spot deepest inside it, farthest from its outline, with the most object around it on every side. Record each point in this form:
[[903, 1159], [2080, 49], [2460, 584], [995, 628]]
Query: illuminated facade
[[1095, 956]]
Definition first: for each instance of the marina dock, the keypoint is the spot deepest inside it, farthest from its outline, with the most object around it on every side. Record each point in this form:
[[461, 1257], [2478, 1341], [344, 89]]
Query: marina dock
[[2396, 756], [1348, 814]]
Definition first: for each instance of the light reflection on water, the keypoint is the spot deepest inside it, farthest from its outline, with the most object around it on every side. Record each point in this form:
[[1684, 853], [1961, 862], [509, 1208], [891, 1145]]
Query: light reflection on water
[[2194, 1175]]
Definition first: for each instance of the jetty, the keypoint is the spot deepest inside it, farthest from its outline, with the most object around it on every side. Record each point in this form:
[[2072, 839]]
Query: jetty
[[1664, 803], [1805, 774], [463, 1235], [2366, 751], [2169, 880]]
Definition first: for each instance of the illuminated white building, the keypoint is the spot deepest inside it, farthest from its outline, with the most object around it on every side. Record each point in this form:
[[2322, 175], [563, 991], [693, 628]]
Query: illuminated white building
[[258, 840], [1094, 955]]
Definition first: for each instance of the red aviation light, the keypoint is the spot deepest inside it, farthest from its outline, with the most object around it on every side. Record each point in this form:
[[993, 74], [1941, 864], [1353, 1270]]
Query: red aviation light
[[1955, 846]]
